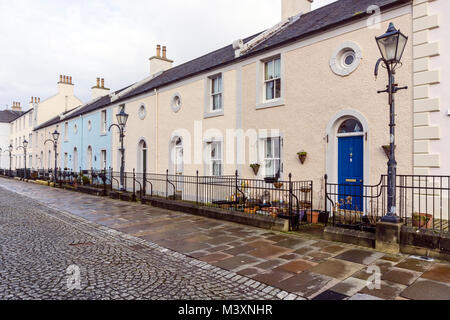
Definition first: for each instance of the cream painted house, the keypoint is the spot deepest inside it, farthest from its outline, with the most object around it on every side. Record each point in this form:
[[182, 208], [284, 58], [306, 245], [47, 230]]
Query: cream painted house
[[304, 85], [38, 113]]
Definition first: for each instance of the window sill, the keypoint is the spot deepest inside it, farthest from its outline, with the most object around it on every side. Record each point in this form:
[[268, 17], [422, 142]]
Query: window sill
[[270, 104], [103, 134], [213, 114]]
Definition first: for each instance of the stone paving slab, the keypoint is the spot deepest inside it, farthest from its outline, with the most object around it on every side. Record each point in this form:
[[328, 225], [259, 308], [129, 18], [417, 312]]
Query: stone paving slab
[[424, 289], [281, 260]]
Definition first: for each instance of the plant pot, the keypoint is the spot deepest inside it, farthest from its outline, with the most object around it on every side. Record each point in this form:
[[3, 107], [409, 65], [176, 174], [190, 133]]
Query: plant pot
[[313, 217], [305, 190], [255, 170], [278, 185], [422, 220], [302, 158], [387, 150]]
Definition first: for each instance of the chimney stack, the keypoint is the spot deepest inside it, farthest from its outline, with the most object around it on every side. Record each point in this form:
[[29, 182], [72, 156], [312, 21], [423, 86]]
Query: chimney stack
[[99, 90], [290, 8], [158, 51], [65, 85], [16, 106], [160, 63]]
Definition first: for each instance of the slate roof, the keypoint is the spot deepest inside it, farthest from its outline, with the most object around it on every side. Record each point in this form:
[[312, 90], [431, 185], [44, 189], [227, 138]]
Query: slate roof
[[7, 116], [54, 120], [319, 20]]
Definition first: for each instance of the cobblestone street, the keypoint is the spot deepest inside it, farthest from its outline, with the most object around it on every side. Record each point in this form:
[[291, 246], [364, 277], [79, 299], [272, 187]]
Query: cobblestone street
[[37, 245], [133, 251]]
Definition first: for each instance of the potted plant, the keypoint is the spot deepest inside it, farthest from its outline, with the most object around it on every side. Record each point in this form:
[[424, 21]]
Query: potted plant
[[302, 156], [422, 220], [85, 180], [255, 167], [313, 217], [278, 185], [387, 149]]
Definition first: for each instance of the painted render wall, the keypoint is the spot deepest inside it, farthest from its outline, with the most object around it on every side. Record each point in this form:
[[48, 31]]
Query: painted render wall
[[442, 63], [313, 95], [84, 138], [43, 153], [5, 129]]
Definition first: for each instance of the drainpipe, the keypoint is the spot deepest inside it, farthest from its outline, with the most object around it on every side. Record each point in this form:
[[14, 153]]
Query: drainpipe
[[81, 144], [156, 126]]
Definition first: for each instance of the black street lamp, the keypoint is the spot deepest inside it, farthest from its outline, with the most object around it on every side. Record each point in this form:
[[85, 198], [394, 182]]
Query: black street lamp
[[55, 136], [122, 119], [392, 44], [10, 149], [24, 147]]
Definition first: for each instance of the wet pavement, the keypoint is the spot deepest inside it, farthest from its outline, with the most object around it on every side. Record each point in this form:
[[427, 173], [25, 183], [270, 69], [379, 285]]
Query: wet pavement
[[307, 267]]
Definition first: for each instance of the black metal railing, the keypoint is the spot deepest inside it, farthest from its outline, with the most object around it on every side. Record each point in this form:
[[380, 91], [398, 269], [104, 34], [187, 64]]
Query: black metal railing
[[422, 202], [292, 200]]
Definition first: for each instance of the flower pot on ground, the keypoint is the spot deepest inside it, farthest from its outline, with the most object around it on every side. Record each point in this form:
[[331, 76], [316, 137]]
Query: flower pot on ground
[[422, 220], [312, 217], [302, 156], [255, 167]]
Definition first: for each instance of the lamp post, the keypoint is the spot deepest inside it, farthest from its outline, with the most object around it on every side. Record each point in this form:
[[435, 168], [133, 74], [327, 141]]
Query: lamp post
[[10, 149], [24, 146], [392, 44], [122, 118], [55, 136]]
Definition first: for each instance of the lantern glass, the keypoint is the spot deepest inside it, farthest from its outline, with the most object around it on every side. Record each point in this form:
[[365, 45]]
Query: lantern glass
[[122, 118], [55, 135], [11, 148], [392, 44], [25, 143]]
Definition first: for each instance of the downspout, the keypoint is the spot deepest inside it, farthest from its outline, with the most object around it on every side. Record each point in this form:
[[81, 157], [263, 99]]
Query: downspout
[[80, 165], [156, 127]]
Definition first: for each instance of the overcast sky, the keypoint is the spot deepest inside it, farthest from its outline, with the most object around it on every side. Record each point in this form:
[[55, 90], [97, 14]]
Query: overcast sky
[[113, 39]]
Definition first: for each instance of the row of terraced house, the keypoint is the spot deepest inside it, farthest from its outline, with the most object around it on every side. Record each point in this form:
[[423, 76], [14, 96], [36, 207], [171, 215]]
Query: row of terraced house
[[305, 86]]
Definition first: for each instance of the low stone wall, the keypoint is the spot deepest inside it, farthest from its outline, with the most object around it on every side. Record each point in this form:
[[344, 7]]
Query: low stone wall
[[360, 238], [269, 223], [425, 243]]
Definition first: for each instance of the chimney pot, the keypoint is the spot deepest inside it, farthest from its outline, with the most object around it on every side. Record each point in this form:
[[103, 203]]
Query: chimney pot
[[60, 78], [98, 82], [103, 83], [164, 54], [70, 80], [158, 51]]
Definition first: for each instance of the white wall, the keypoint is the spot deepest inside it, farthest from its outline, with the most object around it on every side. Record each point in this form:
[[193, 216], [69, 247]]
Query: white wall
[[441, 90], [4, 143]]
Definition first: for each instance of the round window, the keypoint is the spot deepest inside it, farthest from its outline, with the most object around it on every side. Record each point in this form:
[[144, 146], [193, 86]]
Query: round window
[[346, 58], [142, 112], [89, 125], [176, 103]]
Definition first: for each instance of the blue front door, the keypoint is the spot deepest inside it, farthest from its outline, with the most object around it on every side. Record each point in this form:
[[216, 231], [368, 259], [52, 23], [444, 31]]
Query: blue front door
[[351, 173]]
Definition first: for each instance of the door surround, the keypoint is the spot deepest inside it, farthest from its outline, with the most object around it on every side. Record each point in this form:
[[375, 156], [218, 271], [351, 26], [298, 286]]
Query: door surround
[[332, 147]]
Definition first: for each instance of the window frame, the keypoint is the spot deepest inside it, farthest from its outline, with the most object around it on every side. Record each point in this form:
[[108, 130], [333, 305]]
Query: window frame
[[209, 94], [271, 80], [103, 122], [263, 141], [217, 77], [218, 159], [261, 99]]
